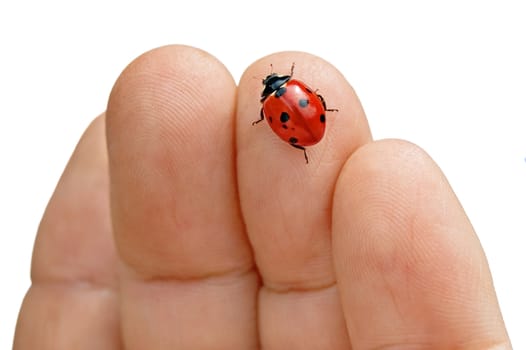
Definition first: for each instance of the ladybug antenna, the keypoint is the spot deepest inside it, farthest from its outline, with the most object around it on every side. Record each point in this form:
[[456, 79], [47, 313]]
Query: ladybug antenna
[[292, 69], [271, 69]]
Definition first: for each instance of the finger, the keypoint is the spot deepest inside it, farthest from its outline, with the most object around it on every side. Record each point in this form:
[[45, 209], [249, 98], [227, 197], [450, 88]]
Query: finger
[[72, 300], [411, 271], [188, 278], [287, 205]]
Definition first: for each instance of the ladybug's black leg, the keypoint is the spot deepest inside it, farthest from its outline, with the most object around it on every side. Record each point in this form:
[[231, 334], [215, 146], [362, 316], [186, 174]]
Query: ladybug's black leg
[[325, 105], [261, 117], [304, 151]]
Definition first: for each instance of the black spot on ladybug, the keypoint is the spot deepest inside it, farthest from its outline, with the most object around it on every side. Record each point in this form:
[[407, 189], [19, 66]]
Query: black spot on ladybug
[[293, 140], [284, 117], [281, 91], [270, 120], [322, 118], [303, 102], [284, 126]]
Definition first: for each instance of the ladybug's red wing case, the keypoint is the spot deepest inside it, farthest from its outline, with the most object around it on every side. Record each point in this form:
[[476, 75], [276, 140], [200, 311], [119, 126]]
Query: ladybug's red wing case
[[296, 114]]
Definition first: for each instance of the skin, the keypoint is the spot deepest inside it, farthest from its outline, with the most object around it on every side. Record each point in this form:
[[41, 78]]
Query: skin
[[179, 225]]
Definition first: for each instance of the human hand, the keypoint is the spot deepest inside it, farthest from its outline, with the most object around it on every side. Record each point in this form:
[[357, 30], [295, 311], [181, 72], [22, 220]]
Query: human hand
[[219, 236]]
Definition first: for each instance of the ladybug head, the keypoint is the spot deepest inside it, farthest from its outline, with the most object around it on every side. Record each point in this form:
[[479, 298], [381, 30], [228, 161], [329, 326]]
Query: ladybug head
[[272, 83]]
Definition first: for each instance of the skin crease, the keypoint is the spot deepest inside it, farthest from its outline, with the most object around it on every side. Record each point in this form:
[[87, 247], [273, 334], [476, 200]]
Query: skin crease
[[179, 225]]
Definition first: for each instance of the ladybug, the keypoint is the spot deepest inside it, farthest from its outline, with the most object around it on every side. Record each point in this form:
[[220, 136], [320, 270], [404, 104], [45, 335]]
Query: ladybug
[[293, 110]]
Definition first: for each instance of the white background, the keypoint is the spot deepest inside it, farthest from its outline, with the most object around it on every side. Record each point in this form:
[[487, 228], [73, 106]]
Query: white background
[[449, 76]]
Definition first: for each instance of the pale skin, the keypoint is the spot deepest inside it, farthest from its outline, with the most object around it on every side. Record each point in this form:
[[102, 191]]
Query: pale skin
[[179, 225]]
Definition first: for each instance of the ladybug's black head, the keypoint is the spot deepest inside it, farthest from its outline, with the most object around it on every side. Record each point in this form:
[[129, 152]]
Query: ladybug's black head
[[272, 84]]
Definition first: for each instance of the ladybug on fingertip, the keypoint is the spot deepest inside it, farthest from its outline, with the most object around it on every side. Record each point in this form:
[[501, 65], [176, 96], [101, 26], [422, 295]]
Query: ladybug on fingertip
[[293, 110]]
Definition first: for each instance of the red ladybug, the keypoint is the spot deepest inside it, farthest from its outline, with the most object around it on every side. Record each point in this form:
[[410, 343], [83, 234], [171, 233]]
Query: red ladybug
[[293, 111]]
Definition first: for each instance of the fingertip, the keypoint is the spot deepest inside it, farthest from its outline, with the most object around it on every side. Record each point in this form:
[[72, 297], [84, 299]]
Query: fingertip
[[408, 262], [164, 79], [270, 170], [76, 221], [347, 128], [169, 129]]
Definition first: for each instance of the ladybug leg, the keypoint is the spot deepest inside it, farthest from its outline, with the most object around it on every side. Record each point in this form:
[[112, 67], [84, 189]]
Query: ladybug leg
[[304, 151], [325, 105], [261, 117]]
